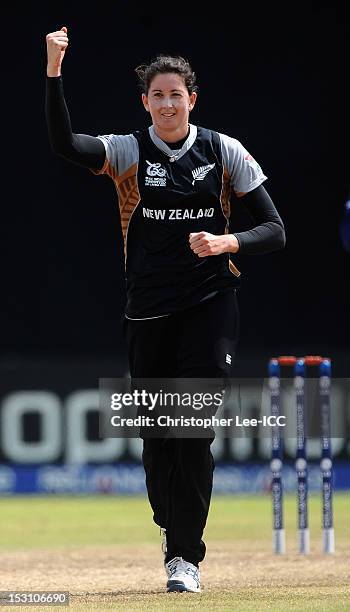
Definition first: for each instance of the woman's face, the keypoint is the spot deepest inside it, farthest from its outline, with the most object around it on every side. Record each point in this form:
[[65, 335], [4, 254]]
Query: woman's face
[[169, 104]]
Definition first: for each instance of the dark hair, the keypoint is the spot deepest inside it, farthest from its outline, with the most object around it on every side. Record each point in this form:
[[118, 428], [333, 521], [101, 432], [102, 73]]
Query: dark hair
[[163, 64]]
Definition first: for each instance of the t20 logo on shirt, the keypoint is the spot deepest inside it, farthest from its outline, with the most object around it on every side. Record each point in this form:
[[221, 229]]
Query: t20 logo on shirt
[[155, 175]]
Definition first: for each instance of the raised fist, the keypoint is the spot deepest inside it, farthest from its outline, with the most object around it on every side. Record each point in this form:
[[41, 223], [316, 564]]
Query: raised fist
[[57, 43]]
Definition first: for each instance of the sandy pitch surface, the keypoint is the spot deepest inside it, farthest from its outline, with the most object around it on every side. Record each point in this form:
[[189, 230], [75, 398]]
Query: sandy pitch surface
[[120, 575]]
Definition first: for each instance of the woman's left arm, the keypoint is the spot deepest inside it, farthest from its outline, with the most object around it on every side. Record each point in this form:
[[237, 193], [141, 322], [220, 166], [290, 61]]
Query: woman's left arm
[[267, 235]]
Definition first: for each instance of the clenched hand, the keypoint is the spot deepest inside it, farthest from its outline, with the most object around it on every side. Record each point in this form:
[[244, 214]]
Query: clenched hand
[[56, 43], [204, 244]]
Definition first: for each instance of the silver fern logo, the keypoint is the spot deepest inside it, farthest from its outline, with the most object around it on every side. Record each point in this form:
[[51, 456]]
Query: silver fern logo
[[201, 172]]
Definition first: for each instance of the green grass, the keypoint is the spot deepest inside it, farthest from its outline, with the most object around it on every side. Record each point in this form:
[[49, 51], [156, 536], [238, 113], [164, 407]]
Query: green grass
[[47, 522], [241, 524]]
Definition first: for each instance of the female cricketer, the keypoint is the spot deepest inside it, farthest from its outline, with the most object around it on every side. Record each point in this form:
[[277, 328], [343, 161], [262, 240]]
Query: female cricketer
[[175, 182]]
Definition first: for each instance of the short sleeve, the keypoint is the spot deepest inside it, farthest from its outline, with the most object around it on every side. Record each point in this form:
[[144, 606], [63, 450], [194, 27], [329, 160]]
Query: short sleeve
[[244, 171], [121, 153]]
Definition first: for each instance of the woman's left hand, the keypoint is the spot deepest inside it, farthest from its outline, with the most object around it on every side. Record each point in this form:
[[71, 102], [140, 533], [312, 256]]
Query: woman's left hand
[[204, 244]]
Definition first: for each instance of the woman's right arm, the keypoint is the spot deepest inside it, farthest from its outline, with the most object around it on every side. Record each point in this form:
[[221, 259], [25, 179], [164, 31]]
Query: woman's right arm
[[87, 151]]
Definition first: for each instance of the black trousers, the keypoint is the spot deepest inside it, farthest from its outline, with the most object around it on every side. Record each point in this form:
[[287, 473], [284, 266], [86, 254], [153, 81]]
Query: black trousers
[[195, 343]]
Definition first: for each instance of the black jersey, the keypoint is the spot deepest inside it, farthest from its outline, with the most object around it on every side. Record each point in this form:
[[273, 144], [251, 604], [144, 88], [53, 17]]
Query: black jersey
[[164, 195]]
